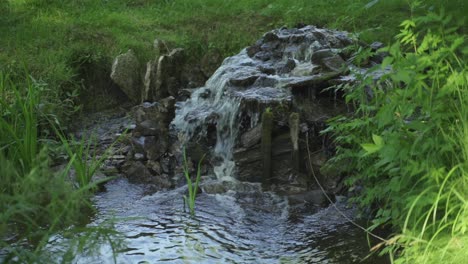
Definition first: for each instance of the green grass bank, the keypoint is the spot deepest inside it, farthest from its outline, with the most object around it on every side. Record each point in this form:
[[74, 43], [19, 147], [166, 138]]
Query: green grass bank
[[58, 42]]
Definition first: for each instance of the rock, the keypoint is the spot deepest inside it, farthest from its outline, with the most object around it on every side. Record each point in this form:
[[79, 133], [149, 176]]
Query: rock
[[376, 45], [138, 156], [147, 128], [334, 64], [270, 36], [314, 197], [154, 166], [249, 161], [205, 94], [157, 115], [251, 137], [243, 82], [214, 187], [254, 49], [150, 81], [379, 56], [169, 72], [288, 66], [155, 147], [184, 94], [217, 187], [314, 81], [137, 172], [329, 59], [126, 74]]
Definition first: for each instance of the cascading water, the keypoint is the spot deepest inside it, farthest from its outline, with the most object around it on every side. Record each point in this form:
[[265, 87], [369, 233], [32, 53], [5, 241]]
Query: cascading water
[[258, 77], [213, 100]]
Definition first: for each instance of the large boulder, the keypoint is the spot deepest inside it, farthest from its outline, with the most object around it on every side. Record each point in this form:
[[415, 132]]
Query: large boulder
[[126, 74]]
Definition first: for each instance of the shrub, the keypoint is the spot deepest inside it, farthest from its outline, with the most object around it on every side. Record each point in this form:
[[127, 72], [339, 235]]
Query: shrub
[[406, 143]]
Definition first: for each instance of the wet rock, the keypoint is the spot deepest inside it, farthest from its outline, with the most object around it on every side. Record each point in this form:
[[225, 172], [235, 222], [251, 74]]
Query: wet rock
[[196, 151], [154, 166], [147, 128], [137, 172], [156, 115], [334, 64], [243, 82], [252, 50], [218, 187], [329, 59], [318, 80], [267, 70], [289, 65], [155, 147], [251, 137], [184, 94], [249, 161], [270, 36], [314, 197], [126, 74], [205, 94], [214, 187], [166, 164]]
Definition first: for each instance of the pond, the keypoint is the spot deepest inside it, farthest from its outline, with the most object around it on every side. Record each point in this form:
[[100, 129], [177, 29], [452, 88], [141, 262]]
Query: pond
[[234, 227]]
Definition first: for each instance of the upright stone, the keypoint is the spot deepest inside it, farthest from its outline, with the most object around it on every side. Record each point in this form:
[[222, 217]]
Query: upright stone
[[294, 132], [168, 73], [267, 127], [150, 81], [126, 74]]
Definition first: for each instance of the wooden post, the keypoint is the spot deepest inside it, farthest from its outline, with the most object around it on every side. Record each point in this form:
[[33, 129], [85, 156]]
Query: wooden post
[[294, 133], [267, 127]]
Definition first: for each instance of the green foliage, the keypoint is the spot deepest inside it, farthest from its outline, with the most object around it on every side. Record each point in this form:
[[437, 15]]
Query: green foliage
[[84, 159], [18, 123], [192, 186], [406, 143], [35, 201]]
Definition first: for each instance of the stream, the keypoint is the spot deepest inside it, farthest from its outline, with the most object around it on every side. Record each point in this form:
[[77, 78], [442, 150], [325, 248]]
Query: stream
[[235, 227], [237, 220]]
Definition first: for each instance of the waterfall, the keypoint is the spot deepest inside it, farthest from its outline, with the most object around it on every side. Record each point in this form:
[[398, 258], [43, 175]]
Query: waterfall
[[215, 100], [260, 76]]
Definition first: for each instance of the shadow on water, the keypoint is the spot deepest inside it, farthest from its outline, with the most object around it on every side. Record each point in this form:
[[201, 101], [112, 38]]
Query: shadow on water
[[235, 227]]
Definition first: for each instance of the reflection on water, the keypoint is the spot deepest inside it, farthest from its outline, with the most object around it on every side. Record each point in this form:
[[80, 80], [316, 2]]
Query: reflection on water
[[249, 227]]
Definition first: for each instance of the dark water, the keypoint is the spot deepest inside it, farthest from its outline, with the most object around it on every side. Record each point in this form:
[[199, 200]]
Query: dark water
[[235, 227]]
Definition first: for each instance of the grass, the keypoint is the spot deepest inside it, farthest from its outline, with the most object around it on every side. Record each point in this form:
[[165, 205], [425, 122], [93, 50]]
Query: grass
[[192, 186], [84, 158], [35, 201], [57, 39]]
